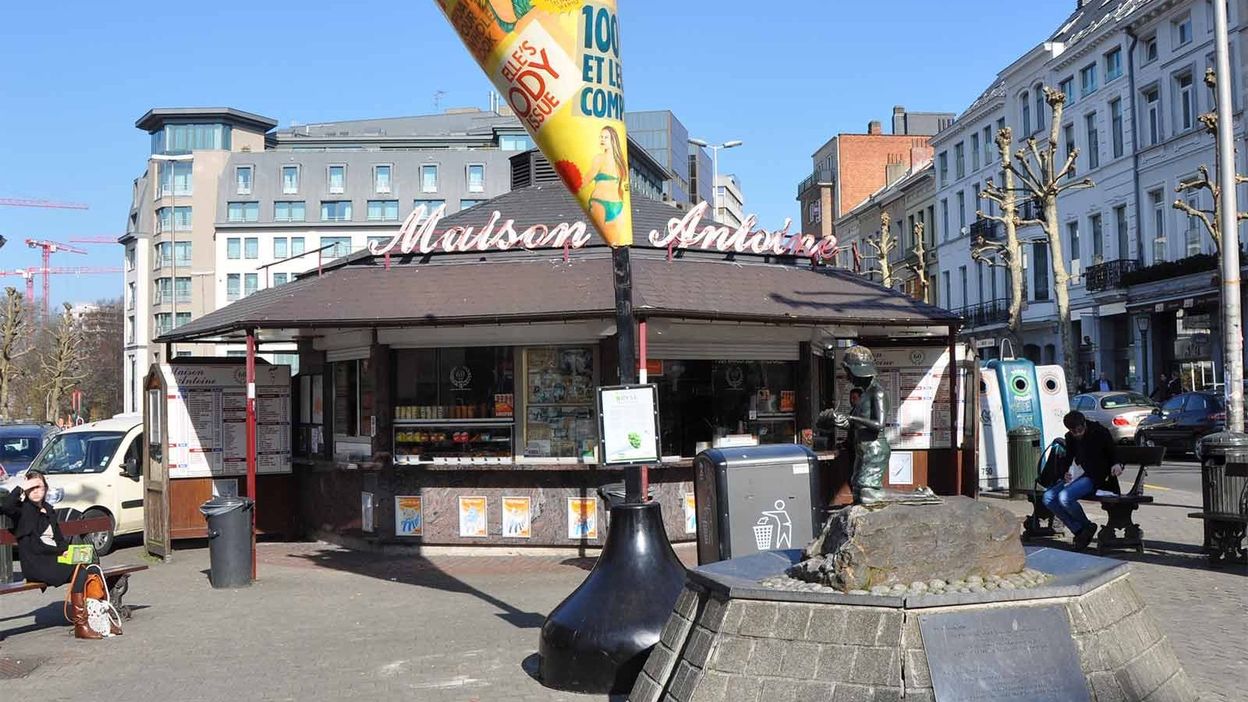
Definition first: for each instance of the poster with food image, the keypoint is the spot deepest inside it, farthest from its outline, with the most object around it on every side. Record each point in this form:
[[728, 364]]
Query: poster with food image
[[582, 518], [409, 518], [473, 520], [517, 517], [630, 423]]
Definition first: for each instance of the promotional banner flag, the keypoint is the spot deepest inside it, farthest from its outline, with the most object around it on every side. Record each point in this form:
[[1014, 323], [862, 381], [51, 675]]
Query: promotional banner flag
[[557, 63]]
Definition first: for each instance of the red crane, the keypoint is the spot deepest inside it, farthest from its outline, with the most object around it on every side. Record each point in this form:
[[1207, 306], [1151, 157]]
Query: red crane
[[49, 248], [96, 239], [19, 202], [28, 274]]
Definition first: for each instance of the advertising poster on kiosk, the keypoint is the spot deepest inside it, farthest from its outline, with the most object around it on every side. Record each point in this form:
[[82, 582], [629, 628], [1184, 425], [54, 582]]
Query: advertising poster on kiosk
[[629, 424]]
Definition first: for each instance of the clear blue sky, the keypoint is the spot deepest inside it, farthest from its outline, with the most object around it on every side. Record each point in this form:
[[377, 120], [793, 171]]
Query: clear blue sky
[[77, 74]]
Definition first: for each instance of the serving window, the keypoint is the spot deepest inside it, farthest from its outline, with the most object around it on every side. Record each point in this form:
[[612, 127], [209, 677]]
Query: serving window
[[559, 398], [704, 403], [353, 398]]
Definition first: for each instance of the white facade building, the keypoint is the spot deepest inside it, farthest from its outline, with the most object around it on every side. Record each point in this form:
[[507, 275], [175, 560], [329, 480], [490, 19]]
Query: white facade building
[[729, 201]]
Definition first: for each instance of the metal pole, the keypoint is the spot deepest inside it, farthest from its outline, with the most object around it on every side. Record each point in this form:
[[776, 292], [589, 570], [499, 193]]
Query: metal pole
[[715, 183], [622, 277], [1144, 360], [1232, 322], [251, 439]]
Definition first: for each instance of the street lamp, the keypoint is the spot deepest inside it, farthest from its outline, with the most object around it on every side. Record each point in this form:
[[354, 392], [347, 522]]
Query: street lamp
[[1141, 323], [731, 144]]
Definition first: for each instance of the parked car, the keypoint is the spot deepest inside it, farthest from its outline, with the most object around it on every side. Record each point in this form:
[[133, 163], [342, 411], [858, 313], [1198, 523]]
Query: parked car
[[1182, 421], [19, 444], [1118, 411], [96, 470]]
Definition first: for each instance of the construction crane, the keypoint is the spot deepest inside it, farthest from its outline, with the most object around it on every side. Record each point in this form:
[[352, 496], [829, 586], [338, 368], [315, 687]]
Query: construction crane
[[28, 274], [19, 202], [49, 248], [96, 239]]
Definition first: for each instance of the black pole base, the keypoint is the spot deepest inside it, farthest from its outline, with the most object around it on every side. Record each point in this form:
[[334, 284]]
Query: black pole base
[[598, 638]]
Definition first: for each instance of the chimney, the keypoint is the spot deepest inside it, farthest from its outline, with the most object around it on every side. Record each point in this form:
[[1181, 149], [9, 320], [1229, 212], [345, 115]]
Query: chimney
[[873, 127], [899, 120]]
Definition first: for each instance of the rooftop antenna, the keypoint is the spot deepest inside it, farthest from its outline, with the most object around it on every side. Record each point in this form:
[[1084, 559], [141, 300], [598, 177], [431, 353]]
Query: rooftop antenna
[[437, 99]]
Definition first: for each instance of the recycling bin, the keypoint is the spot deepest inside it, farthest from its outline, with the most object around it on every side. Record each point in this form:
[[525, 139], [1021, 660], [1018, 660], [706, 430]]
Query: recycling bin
[[229, 540], [1023, 445], [755, 498], [1224, 492]]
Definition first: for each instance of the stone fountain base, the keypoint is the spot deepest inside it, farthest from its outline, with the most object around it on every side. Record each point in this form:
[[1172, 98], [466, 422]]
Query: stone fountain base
[[1083, 634]]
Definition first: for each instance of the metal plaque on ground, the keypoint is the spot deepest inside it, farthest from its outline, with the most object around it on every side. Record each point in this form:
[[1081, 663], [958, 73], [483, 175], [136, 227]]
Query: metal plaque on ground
[[1015, 654]]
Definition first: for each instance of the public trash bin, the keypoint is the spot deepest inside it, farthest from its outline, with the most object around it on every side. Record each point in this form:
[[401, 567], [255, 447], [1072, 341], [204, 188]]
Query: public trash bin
[[1024, 455], [1224, 491], [613, 494], [755, 498], [229, 540]]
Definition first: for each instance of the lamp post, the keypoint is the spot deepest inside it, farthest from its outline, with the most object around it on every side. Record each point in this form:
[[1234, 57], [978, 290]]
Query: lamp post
[[715, 148], [1232, 321], [1141, 323]]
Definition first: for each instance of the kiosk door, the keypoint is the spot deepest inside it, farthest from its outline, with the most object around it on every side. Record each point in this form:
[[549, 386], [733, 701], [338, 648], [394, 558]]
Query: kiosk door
[[156, 486]]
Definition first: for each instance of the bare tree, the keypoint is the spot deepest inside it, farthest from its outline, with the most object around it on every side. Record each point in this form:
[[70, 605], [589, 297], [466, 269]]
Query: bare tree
[[1041, 175], [883, 244], [919, 268], [62, 365], [1006, 254], [1211, 217], [14, 326], [102, 350]]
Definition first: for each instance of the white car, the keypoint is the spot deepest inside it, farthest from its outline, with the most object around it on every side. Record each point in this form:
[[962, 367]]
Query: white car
[[96, 470]]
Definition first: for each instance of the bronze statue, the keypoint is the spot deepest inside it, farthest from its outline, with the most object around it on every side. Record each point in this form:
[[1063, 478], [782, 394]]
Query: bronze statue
[[866, 423]]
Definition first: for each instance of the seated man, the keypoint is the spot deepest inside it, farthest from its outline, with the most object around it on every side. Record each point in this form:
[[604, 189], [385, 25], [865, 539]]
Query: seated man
[[1091, 466]]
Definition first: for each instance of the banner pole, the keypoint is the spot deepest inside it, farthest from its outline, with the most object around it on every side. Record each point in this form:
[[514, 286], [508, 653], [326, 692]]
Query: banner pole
[[625, 336]]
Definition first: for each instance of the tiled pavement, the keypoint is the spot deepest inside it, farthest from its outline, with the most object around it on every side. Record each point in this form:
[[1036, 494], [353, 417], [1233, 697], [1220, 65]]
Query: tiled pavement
[[328, 624]]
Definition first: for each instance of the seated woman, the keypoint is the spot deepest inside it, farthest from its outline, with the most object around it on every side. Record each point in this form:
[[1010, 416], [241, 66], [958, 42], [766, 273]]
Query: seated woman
[[40, 542]]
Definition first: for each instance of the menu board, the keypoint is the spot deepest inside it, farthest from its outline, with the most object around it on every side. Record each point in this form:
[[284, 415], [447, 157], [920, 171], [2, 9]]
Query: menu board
[[207, 410], [630, 421], [915, 381]]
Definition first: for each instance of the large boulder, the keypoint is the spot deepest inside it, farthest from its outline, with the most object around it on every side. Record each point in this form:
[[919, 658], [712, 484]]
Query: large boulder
[[860, 547]]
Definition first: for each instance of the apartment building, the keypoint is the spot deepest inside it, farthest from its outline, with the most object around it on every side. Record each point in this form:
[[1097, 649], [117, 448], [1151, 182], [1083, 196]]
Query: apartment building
[[729, 200], [1131, 72]]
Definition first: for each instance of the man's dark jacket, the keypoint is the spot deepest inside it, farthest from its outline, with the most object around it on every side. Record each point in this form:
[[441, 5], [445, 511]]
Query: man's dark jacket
[[1095, 452]]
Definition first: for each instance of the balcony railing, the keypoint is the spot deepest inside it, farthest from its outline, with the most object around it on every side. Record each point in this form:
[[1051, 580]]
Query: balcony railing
[[1108, 275], [987, 228], [985, 313], [820, 175]]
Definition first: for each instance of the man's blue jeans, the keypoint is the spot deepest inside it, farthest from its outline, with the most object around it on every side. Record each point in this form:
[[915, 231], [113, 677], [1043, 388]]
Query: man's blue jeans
[[1063, 501]]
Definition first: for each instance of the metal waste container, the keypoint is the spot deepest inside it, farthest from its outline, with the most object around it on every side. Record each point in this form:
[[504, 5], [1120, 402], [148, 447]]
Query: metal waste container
[[613, 494], [1024, 455], [755, 498], [1224, 492], [229, 540]]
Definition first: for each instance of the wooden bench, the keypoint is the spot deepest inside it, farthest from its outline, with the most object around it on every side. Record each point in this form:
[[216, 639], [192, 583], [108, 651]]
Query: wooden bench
[[116, 577], [1118, 508]]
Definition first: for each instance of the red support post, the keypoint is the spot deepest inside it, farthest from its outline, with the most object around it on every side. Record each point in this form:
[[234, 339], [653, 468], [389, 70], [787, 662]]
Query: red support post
[[643, 377], [251, 440]]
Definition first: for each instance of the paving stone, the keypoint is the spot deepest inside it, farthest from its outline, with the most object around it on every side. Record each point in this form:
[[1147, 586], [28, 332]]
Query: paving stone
[[1109, 603], [660, 662], [731, 654], [714, 612], [846, 692], [732, 617], [713, 687], [683, 682], [1147, 672], [1105, 688], [745, 688], [1127, 639], [675, 631], [645, 690], [801, 661], [919, 696], [1177, 689], [890, 628], [911, 636], [687, 603], [814, 692], [876, 666], [827, 624], [698, 646], [887, 694], [862, 625], [779, 690], [758, 619], [767, 657], [836, 662], [792, 620], [916, 672]]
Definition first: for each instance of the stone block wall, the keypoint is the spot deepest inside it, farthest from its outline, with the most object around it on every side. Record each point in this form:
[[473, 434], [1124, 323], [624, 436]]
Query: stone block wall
[[714, 648]]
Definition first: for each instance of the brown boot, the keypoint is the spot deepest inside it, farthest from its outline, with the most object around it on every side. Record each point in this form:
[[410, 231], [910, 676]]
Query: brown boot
[[78, 607]]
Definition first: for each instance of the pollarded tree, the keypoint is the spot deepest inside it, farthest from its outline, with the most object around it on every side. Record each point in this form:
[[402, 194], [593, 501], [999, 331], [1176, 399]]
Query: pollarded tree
[[1210, 218], [883, 244], [1007, 254], [14, 327], [61, 366], [919, 268]]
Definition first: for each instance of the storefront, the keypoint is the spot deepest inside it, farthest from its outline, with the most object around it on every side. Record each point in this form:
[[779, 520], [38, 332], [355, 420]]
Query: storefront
[[447, 388]]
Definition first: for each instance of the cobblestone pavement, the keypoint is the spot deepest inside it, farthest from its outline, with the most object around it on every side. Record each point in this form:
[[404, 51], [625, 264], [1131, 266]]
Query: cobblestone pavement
[[324, 623]]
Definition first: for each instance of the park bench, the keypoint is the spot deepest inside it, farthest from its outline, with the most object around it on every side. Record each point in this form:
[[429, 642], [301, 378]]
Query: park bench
[[117, 577], [1118, 508]]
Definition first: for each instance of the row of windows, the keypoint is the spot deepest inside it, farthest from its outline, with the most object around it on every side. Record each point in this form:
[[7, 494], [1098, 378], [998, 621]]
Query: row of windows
[[382, 178], [332, 210], [167, 253], [167, 289], [168, 321]]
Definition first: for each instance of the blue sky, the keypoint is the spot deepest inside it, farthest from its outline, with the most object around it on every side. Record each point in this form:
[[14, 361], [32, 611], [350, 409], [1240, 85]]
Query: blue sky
[[78, 74]]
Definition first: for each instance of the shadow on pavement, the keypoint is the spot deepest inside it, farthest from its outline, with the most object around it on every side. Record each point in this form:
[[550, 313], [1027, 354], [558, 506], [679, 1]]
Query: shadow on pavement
[[1163, 553], [46, 617]]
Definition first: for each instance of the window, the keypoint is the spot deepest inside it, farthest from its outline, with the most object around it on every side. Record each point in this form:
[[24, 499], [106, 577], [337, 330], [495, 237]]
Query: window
[[381, 178], [1087, 80], [962, 281], [943, 164], [1113, 64], [280, 278], [176, 219], [1120, 227], [1072, 237], [961, 213], [1191, 237], [944, 219], [1068, 133], [289, 211], [251, 283], [1037, 95], [175, 178], [178, 320], [132, 295], [1098, 238], [242, 179], [352, 397], [182, 253], [296, 245], [184, 138], [944, 275], [233, 285], [465, 203], [429, 178], [988, 150], [1183, 31], [335, 210], [337, 179], [164, 291], [164, 323], [431, 205], [476, 178], [130, 254], [233, 248], [1150, 49], [974, 152], [280, 248], [1025, 115], [1187, 101], [1152, 115], [1115, 127], [251, 248], [1040, 271], [515, 142], [1157, 200], [243, 212], [182, 289], [1094, 140], [290, 180], [1067, 88], [383, 210], [339, 246], [959, 160]]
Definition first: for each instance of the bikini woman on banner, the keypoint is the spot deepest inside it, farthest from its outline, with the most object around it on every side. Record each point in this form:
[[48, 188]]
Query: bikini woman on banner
[[606, 172]]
